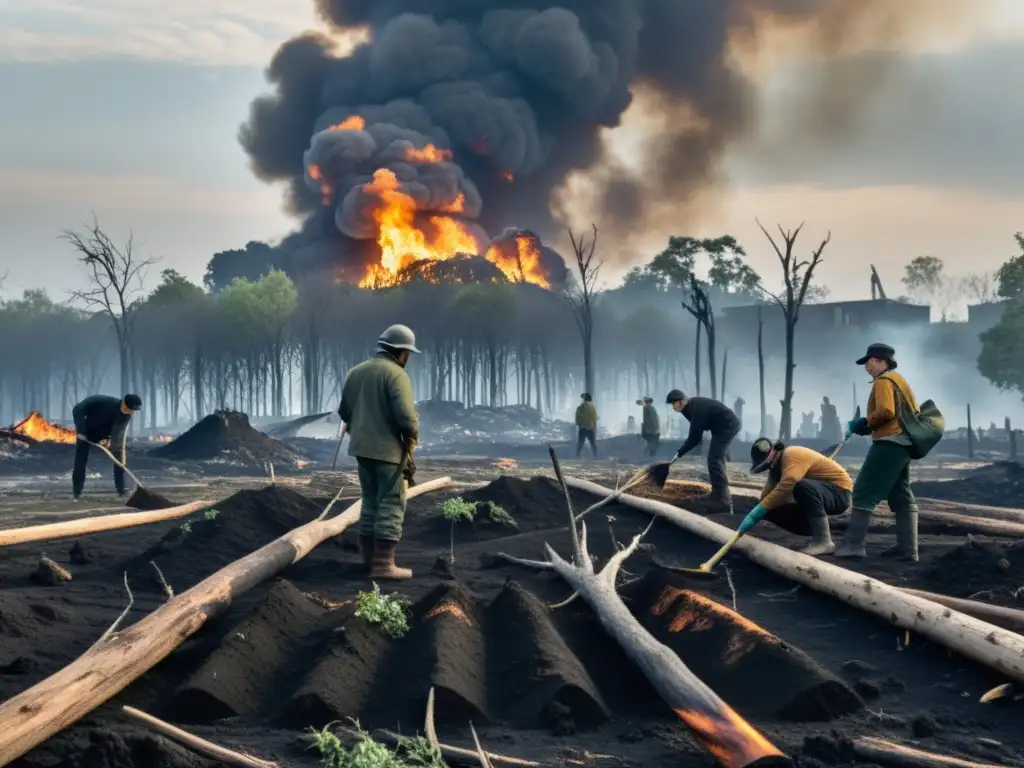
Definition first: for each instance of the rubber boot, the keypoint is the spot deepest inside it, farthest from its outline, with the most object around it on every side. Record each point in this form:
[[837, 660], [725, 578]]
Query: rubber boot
[[366, 549], [384, 562], [821, 537], [856, 532], [906, 537]]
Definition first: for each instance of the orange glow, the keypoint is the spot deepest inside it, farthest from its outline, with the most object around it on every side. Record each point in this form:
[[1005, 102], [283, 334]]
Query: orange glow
[[428, 154], [450, 609], [325, 189], [354, 123], [730, 739], [519, 260], [38, 428], [508, 176]]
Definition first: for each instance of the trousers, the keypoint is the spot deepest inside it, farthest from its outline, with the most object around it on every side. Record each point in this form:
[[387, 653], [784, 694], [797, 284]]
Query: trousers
[[653, 441], [383, 499], [78, 473], [585, 435], [718, 455]]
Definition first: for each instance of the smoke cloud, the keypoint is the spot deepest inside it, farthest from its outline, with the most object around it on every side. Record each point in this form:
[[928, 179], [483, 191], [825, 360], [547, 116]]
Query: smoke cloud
[[513, 97]]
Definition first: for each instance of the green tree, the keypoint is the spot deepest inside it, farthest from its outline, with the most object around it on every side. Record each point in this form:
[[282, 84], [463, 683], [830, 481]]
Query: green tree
[[1001, 360], [729, 270], [923, 278], [1011, 274]]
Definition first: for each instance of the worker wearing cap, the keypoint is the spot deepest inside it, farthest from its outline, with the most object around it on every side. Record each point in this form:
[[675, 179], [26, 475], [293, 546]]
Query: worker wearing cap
[[379, 411], [885, 474], [650, 426], [803, 489], [707, 415], [101, 418], [586, 424]]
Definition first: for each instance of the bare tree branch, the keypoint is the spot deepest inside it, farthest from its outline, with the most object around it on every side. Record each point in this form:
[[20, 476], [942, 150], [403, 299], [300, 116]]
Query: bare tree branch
[[581, 297]]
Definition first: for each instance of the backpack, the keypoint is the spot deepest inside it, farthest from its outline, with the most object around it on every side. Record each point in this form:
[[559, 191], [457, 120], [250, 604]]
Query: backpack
[[924, 428]]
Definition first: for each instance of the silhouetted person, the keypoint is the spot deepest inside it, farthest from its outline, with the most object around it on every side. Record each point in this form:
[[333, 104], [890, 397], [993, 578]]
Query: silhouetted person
[[101, 418], [650, 427], [586, 424], [831, 429]]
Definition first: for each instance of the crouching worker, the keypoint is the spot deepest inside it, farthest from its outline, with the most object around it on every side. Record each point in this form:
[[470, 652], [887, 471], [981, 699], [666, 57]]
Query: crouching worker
[[101, 418], [803, 490], [379, 410]]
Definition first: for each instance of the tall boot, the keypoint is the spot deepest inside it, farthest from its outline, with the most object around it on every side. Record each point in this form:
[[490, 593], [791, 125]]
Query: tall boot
[[856, 532], [906, 537], [384, 562], [821, 537], [366, 546]]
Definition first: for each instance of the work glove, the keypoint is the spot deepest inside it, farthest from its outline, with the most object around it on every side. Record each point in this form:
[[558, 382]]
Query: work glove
[[680, 453], [409, 472], [755, 516], [856, 427]]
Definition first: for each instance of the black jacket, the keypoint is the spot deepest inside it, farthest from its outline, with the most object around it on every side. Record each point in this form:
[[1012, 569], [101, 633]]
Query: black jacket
[[707, 415], [99, 417]]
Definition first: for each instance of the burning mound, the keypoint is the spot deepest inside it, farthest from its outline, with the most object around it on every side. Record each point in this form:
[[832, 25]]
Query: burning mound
[[995, 571], [1000, 484], [227, 435], [34, 428], [238, 526]]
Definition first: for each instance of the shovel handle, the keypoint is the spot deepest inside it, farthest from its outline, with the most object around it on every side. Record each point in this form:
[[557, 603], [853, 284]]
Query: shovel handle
[[717, 557], [114, 459]]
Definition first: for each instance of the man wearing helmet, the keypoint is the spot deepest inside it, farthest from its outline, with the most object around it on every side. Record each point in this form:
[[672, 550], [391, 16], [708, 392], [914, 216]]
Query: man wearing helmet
[[804, 488], [707, 415], [379, 411], [101, 418]]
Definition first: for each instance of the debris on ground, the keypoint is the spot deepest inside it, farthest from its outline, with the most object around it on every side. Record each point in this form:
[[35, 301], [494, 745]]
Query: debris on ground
[[1000, 484]]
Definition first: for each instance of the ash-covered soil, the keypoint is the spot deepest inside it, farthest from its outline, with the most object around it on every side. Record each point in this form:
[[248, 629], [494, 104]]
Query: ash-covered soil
[[538, 684], [1000, 484], [227, 436]]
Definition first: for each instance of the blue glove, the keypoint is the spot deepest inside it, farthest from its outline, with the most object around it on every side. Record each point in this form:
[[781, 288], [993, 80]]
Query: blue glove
[[855, 427], [755, 516]]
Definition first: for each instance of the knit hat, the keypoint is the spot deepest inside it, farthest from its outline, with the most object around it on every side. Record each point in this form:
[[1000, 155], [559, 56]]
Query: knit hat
[[134, 402]]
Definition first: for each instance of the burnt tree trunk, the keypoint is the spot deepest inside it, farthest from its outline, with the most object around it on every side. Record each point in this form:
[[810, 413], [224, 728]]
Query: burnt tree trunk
[[760, 372]]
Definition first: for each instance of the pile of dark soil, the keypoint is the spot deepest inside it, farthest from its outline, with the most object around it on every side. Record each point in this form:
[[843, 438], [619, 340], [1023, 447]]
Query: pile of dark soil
[[751, 669], [227, 435], [535, 503], [145, 499], [985, 570], [1000, 484], [214, 538]]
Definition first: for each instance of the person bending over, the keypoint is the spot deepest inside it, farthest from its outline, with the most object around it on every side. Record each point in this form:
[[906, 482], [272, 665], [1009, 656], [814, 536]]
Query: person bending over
[[707, 415], [101, 418]]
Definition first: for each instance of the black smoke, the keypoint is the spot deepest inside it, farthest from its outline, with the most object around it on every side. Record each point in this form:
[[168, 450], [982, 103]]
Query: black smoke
[[520, 89]]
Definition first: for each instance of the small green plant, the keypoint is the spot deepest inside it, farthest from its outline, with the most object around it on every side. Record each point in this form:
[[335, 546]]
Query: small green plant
[[454, 510], [389, 612], [497, 514], [186, 527], [418, 752], [332, 752], [367, 753], [211, 514]]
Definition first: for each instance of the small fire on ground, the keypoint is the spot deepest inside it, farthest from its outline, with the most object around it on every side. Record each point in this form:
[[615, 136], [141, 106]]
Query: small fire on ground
[[37, 428], [408, 235]]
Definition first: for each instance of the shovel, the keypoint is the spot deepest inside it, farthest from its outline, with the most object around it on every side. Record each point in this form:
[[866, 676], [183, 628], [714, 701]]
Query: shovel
[[705, 571], [341, 439], [147, 499]]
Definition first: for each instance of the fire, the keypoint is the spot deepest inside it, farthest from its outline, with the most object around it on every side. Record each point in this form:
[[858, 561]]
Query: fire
[[38, 428], [523, 265], [508, 176], [428, 154], [325, 189], [354, 123]]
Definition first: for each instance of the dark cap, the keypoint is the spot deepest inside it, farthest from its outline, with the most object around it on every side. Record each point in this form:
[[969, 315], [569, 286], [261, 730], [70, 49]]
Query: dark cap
[[134, 402], [586, 396], [881, 352], [674, 395], [760, 452], [648, 399]]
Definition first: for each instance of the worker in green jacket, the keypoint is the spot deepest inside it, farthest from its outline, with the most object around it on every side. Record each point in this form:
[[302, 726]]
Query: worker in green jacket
[[586, 424], [650, 427], [379, 411]]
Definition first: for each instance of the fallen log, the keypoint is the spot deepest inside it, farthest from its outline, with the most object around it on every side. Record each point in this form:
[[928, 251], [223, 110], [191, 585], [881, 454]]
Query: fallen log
[[1007, 618], [985, 643], [884, 752], [947, 523], [86, 525], [200, 746], [109, 667], [732, 741]]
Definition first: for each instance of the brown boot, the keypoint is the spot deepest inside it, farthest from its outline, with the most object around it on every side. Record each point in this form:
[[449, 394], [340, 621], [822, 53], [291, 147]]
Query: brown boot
[[384, 562], [366, 548]]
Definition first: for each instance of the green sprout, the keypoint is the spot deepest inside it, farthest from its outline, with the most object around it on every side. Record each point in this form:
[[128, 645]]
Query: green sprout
[[389, 612], [367, 753], [497, 514], [186, 527], [454, 510], [211, 514]]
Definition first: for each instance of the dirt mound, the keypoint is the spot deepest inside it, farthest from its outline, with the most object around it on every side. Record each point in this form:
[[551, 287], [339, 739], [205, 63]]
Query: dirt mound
[[995, 570], [146, 500], [114, 749], [693, 496], [239, 525], [753, 671], [535, 503], [1000, 484], [227, 435]]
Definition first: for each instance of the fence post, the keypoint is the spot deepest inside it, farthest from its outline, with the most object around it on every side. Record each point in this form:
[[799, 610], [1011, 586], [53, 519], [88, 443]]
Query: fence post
[[970, 434]]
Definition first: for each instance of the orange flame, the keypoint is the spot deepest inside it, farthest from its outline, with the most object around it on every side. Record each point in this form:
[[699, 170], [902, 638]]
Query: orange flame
[[508, 176], [38, 428], [428, 154], [522, 265], [354, 123]]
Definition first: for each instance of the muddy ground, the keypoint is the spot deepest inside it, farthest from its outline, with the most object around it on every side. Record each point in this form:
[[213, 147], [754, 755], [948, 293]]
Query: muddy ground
[[541, 685]]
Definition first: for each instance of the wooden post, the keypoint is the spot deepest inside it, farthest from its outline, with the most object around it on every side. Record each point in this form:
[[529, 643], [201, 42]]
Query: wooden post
[[109, 666], [970, 434], [1011, 439]]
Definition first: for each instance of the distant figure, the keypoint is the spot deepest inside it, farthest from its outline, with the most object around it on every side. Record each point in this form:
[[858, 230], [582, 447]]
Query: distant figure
[[737, 408], [808, 429], [650, 427], [707, 415], [631, 423], [586, 424], [379, 411], [831, 430], [102, 418]]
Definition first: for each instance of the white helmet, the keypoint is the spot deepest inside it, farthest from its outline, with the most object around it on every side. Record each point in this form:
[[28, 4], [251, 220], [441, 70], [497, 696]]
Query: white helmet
[[398, 337]]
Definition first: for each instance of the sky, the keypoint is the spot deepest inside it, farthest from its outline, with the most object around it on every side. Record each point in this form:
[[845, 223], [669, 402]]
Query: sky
[[129, 110]]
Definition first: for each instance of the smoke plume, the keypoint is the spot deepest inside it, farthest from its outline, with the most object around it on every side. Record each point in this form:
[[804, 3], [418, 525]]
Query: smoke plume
[[479, 113]]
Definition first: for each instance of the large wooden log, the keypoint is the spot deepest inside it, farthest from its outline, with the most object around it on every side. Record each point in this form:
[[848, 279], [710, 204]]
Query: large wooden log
[[86, 525], [884, 752], [1007, 618], [109, 667], [985, 643]]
